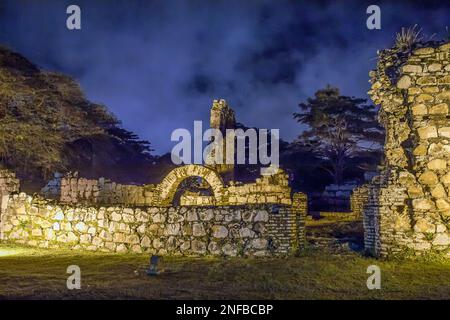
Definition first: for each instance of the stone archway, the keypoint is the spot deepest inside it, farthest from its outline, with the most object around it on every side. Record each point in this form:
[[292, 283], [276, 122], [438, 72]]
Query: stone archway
[[166, 189]]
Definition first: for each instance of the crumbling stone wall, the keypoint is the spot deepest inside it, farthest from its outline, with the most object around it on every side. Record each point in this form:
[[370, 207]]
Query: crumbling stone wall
[[408, 207], [8, 182], [358, 200], [222, 118], [267, 189], [74, 189], [245, 230]]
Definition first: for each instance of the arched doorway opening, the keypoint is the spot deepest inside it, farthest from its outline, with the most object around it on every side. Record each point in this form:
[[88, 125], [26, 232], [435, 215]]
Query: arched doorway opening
[[203, 177]]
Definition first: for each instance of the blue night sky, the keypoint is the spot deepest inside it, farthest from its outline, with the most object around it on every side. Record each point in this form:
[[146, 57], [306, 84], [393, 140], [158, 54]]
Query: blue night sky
[[158, 65]]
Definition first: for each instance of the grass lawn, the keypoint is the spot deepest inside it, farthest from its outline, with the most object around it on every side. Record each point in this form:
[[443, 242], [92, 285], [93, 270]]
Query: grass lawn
[[28, 273]]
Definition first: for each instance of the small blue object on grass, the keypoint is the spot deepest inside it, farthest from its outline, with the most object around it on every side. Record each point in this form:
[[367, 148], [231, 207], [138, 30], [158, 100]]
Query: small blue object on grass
[[153, 269]]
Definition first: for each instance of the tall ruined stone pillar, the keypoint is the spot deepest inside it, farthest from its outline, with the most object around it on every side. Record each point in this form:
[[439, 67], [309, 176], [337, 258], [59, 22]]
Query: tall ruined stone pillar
[[409, 206], [222, 118], [300, 209], [8, 184]]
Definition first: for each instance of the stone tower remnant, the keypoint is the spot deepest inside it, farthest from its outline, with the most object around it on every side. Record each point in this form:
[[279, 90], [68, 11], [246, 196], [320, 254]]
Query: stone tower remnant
[[408, 208], [222, 118]]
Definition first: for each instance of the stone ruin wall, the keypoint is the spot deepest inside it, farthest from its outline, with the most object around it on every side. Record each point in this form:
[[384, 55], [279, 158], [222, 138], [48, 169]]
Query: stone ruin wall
[[408, 206], [8, 182], [358, 199], [73, 189], [266, 189], [243, 230], [256, 219], [222, 117]]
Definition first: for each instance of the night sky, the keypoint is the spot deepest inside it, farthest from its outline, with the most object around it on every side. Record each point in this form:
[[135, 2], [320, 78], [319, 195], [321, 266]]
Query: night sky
[[158, 65]]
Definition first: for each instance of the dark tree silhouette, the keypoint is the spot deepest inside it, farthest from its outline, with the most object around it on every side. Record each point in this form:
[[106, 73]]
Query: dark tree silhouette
[[339, 130], [47, 125]]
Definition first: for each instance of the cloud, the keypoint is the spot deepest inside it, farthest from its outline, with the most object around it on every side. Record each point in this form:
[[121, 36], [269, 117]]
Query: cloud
[[158, 65]]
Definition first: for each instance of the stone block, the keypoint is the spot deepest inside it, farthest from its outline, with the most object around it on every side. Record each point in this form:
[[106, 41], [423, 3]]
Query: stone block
[[219, 231], [427, 132], [419, 109], [198, 230], [444, 132], [428, 178], [404, 82], [441, 239], [437, 164], [441, 108]]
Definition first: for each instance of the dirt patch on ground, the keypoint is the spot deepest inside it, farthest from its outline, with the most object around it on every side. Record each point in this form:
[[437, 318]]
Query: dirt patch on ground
[[336, 232]]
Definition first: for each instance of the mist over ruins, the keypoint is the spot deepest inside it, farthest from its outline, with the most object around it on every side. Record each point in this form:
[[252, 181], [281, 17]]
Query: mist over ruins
[[317, 166]]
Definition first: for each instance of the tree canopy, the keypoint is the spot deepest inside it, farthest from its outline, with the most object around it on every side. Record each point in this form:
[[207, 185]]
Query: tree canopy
[[340, 129], [47, 125]]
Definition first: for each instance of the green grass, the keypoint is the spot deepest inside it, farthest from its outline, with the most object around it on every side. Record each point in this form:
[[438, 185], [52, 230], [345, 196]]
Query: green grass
[[28, 273]]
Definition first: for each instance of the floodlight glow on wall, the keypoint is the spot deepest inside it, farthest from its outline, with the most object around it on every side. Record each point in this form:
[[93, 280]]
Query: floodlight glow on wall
[[7, 252]]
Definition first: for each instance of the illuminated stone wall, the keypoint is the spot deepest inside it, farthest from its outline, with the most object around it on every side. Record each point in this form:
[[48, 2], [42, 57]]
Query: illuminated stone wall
[[8, 182], [243, 230], [222, 117], [272, 189], [104, 191], [408, 208], [358, 199]]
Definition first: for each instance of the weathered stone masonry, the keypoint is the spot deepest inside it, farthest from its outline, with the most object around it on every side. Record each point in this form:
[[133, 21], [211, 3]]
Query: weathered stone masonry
[[267, 189], [408, 206], [256, 219], [358, 199], [257, 230], [8, 182]]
